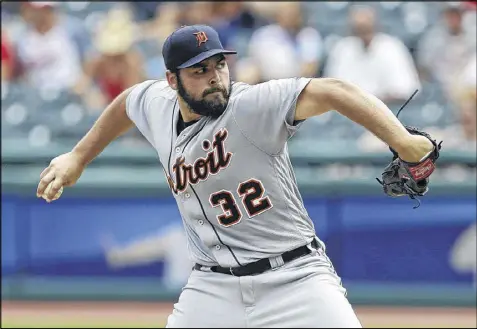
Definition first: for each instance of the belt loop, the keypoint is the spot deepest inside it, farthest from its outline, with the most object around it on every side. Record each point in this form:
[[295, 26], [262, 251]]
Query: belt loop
[[310, 247], [276, 261], [314, 246], [321, 248], [203, 268]]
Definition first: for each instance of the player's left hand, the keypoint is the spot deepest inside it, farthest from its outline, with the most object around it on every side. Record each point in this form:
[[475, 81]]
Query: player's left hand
[[402, 178]]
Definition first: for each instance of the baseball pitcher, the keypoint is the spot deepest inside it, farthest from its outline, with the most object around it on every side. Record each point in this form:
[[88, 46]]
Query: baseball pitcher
[[223, 148]]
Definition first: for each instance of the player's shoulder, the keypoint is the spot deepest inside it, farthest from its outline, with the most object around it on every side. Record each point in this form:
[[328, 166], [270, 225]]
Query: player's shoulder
[[241, 88], [157, 89], [238, 88], [144, 94], [266, 93]]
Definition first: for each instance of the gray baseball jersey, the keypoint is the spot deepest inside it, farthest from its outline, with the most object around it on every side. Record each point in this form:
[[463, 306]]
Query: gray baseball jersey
[[231, 177]]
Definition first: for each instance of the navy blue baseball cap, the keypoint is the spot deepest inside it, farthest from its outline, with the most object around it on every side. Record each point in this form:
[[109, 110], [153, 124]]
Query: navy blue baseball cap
[[190, 45]]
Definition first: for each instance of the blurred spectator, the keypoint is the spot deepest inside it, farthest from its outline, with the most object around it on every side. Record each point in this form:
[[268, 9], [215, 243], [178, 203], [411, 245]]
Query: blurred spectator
[[235, 24], [169, 16], [8, 58], [47, 54], [198, 13], [378, 62], [446, 48], [152, 32], [266, 9], [462, 134], [116, 66], [282, 50], [164, 22], [145, 10], [80, 35], [235, 17], [470, 4], [467, 100], [229, 19]]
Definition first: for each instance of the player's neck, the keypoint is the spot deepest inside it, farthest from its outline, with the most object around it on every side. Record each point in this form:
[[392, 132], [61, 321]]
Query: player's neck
[[187, 114]]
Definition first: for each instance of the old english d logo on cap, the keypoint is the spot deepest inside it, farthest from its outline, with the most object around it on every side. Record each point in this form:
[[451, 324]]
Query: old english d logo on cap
[[190, 45], [201, 38]]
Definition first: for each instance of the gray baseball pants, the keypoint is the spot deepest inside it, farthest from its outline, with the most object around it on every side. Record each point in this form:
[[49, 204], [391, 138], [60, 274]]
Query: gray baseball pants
[[304, 293]]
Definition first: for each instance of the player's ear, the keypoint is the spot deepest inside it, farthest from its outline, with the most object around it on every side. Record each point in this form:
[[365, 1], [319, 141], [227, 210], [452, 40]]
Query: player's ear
[[171, 79]]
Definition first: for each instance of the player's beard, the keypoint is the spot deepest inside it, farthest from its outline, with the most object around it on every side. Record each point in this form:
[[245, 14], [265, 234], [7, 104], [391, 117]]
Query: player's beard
[[209, 108]]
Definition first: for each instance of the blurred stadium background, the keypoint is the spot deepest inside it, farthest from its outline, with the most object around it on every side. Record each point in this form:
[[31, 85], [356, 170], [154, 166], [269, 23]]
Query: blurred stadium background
[[111, 252]]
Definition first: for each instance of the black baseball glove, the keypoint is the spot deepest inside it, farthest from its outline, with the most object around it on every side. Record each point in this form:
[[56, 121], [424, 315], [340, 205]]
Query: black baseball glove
[[402, 178]]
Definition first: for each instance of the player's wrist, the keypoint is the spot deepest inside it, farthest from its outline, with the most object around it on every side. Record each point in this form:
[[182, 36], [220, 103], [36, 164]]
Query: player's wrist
[[416, 149], [80, 156]]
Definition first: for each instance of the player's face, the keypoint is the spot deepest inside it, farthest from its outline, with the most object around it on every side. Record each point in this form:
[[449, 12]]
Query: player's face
[[206, 86]]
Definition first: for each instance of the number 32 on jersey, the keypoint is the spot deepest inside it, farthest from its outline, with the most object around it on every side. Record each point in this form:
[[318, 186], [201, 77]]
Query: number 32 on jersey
[[251, 193]]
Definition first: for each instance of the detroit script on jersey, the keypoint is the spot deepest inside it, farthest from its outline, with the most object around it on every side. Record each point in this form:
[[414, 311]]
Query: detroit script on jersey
[[215, 159], [231, 177]]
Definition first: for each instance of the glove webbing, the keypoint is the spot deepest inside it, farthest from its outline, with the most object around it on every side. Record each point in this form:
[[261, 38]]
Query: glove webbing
[[412, 194]]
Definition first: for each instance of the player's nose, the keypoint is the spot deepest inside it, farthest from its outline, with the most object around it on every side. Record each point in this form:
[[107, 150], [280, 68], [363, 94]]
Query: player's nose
[[215, 79]]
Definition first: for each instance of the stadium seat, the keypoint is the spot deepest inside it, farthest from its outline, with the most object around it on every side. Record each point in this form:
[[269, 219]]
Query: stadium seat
[[17, 118]]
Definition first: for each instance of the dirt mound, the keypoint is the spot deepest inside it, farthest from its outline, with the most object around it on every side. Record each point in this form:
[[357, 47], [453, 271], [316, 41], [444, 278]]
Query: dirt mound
[[154, 315]]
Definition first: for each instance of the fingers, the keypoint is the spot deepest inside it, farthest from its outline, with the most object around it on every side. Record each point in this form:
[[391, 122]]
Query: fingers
[[44, 172], [55, 188], [47, 179]]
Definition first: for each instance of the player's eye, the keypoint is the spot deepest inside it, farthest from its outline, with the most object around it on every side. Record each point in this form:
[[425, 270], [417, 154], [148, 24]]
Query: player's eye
[[221, 65]]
